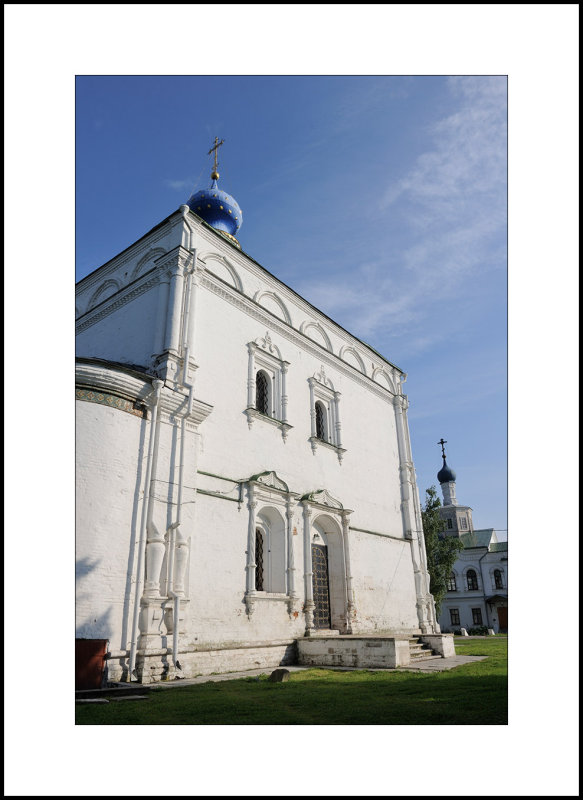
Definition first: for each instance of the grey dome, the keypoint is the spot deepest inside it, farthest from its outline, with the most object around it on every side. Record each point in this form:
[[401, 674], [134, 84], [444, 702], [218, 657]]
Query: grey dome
[[445, 474]]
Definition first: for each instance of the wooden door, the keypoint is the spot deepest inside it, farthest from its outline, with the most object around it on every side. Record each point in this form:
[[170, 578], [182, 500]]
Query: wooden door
[[502, 619], [320, 586]]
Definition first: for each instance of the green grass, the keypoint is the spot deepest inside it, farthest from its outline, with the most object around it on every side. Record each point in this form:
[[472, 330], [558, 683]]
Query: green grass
[[472, 694]]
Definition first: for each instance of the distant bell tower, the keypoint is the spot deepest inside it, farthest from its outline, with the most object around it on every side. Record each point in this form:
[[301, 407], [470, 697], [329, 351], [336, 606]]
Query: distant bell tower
[[456, 519], [446, 478]]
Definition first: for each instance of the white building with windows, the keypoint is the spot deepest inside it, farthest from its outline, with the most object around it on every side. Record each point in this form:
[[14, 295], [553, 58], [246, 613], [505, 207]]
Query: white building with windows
[[244, 467], [478, 585]]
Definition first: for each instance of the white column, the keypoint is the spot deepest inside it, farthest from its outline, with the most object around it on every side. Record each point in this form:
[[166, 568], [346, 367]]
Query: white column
[[308, 586], [284, 392], [250, 590], [291, 592], [172, 336], [251, 377], [163, 289], [409, 523], [350, 607], [338, 441]]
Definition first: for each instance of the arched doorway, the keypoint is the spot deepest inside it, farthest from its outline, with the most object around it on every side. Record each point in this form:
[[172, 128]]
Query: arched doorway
[[320, 585], [328, 574]]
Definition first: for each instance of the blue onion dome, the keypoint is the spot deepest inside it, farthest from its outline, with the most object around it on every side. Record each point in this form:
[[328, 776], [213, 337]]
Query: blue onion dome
[[445, 474], [219, 209]]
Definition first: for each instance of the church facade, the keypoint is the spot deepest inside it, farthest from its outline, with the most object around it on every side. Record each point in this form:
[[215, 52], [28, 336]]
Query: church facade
[[244, 467], [477, 593]]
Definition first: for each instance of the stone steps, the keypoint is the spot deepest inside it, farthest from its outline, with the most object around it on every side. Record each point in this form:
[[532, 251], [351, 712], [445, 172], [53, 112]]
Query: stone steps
[[419, 650]]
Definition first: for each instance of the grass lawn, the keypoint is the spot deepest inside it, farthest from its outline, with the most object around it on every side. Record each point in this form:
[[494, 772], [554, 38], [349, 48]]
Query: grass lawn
[[472, 694]]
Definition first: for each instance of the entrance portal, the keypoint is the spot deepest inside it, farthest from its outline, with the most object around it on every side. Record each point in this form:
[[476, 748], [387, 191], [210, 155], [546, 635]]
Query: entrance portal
[[320, 586]]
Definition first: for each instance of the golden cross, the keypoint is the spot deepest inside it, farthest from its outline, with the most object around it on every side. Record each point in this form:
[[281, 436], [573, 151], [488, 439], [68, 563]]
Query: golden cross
[[215, 149]]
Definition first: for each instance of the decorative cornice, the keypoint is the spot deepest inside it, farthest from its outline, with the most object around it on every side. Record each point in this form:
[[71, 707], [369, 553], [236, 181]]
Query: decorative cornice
[[113, 401], [113, 380], [245, 262], [263, 315], [119, 300], [133, 251]]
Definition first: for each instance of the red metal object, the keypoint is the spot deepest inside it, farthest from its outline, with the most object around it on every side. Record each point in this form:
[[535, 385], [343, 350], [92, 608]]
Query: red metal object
[[89, 662]]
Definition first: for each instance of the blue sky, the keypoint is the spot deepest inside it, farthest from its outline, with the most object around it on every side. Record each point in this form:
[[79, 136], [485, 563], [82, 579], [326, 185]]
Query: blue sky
[[294, 191], [382, 200]]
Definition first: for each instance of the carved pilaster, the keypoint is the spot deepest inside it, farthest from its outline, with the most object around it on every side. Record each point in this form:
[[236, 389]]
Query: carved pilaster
[[350, 606], [308, 586], [250, 567], [290, 557], [155, 550]]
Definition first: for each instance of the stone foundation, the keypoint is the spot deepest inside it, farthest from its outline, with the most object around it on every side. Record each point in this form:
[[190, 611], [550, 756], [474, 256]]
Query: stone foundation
[[156, 665], [367, 652]]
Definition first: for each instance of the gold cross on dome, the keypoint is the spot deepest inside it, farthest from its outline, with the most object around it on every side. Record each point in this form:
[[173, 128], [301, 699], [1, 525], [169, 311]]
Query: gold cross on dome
[[215, 151]]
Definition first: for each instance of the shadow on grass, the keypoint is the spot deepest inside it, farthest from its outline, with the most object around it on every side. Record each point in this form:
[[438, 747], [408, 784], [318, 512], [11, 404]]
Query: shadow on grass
[[320, 697]]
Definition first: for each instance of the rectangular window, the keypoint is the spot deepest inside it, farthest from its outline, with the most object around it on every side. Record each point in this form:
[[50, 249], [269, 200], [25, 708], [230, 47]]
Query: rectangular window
[[451, 585], [454, 616], [477, 616], [463, 523], [449, 524]]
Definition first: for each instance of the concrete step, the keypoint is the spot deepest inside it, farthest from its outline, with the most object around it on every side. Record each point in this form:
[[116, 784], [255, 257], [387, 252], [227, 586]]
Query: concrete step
[[423, 656]]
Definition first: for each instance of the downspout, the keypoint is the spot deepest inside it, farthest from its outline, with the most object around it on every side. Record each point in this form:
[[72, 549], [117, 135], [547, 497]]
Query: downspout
[[146, 518], [174, 528]]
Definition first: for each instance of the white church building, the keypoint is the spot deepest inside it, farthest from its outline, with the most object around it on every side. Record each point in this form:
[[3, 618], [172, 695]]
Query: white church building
[[245, 482], [477, 591]]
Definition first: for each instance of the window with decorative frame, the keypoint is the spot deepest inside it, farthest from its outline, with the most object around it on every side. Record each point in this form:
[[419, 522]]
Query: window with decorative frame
[[454, 616], [325, 413], [498, 582], [266, 384], [451, 584], [463, 523], [472, 580], [477, 616]]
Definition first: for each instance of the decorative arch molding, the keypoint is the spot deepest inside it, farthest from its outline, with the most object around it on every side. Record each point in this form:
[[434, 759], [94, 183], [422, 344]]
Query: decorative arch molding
[[151, 255], [210, 260], [270, 479], [382, 377], [103, 292], [347, 350], [322, 497], [309, 328], [261, 296]]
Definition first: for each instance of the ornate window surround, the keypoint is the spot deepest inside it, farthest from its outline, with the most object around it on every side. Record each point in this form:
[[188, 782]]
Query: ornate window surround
[[322, 390], [265, 356], [268, 490]]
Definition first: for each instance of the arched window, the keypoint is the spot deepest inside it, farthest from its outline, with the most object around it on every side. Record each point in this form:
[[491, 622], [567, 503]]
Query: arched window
[[451, 584], [259, 571], [472, 579], [321, 432], [498, 579], [262, 393]]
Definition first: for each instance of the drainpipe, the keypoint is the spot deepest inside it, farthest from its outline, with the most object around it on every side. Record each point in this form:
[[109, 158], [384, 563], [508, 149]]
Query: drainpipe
[[146, 517], [175, 527]]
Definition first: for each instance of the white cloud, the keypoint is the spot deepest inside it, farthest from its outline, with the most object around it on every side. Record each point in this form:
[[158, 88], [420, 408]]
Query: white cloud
[[452, 204]]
